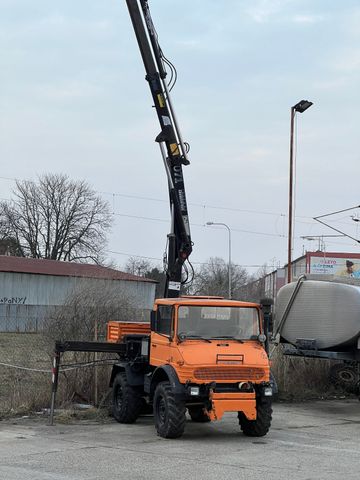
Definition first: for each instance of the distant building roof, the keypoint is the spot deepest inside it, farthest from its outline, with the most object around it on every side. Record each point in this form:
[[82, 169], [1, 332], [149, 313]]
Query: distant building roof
[[39, 266]]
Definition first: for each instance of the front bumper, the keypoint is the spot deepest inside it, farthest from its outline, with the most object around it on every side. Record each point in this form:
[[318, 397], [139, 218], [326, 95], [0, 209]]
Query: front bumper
[[232, 402]]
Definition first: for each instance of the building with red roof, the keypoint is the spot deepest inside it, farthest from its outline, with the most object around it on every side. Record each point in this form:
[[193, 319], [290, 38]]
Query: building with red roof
[[30, 288]]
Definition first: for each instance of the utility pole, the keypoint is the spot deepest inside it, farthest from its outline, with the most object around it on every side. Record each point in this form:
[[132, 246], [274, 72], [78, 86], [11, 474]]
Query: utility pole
[[299, 107]]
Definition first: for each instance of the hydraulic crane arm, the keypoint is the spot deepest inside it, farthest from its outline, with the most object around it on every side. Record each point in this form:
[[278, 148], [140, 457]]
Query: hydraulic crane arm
[[172, 147]]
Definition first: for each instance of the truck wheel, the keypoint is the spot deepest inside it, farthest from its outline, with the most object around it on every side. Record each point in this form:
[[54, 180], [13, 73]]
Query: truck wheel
[[260, 426], [198, 415], [169, 413], [345, 376], [127, 402]]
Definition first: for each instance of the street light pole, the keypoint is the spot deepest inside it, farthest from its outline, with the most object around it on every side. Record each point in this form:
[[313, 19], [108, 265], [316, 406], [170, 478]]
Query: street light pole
[[299, 107], [229, 267]]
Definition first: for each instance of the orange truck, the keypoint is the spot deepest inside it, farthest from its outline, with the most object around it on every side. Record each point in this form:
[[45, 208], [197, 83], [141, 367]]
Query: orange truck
[[201, 354], [206, 355]]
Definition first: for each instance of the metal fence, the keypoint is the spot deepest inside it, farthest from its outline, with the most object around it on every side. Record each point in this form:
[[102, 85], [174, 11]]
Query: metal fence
[[26, 357], [22, 318]]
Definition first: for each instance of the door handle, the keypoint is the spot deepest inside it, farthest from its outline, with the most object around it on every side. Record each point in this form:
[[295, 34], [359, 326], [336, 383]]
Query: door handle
[[153, 345]]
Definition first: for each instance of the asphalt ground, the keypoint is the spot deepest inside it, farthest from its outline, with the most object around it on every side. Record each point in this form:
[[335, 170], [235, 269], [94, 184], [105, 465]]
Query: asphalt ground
[[313, 440]]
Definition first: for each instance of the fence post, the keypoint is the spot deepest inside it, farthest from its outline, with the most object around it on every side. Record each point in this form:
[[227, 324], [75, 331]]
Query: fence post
[[95, 362], [55, 380]]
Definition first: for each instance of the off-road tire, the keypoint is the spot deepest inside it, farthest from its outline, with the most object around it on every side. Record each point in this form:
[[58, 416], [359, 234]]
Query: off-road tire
[[127, 402], [169, 412], [345, 376], [198, 415], [260, 426]]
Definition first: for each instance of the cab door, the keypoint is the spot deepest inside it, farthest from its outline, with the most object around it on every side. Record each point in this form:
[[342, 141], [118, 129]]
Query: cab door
[[160, 338]]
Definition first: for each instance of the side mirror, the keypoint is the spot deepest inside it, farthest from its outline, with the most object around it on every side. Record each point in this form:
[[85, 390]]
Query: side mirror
[[153, 321], [266, 306]]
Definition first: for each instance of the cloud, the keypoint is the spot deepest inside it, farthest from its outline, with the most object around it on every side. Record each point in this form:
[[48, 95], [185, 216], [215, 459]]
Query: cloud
[[348, 60], [333, 84], [69, 91], [280, 10], [351, 24], [191, 44], [55, 24], [259, 153], [307, 19], [262, 10]]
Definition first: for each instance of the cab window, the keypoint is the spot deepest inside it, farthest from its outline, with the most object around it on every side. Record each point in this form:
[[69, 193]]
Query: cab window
[[164, 317]]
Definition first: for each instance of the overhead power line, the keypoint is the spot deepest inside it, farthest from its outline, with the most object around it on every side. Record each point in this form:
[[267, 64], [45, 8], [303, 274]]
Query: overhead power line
[[8, 178], [336, 229], [201, 205], [196, 263], [139, 217]]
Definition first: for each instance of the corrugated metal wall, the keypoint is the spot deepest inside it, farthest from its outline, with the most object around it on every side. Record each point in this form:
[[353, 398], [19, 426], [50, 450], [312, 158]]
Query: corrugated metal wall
[[26, 299]]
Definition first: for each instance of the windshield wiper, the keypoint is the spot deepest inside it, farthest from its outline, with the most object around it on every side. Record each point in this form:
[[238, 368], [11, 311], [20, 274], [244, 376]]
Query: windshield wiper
[[183, 336], [227, 337]]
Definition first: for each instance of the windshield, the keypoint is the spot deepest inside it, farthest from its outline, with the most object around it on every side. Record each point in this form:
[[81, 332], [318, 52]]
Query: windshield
[[218, 322]]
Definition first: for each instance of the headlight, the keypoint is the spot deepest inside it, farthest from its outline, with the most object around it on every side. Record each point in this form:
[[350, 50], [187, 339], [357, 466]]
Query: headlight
[[245, 386], [194, 391], [268, 392]]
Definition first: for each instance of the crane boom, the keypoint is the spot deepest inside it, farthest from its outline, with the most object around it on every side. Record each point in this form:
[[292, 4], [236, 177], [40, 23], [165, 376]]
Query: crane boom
[[172, 147]]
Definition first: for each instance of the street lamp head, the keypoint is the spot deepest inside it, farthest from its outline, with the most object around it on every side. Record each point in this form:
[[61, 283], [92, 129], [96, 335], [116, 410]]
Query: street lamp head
[[219, 223], [302, 106]]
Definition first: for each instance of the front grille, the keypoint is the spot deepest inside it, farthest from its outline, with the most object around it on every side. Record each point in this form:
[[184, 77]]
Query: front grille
[[229, 373]]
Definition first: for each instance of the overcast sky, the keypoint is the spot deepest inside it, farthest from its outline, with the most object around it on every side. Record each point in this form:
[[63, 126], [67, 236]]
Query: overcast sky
[[73, 99]]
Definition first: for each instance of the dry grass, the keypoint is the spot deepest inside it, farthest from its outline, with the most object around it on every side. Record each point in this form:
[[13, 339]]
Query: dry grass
[[23, 391], [302, 378], [91, 415]]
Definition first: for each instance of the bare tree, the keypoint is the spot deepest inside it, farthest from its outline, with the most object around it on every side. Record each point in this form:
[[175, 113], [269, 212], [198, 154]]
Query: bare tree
[[88, 309], [156, 274], [254, 289], [213, 278], [138, 266], [8, 243], [57, 218], [144, 268], [83, 317], [4, 227]]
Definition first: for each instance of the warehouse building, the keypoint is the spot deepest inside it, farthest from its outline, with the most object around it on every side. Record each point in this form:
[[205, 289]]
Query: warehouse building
[[30, 289]]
